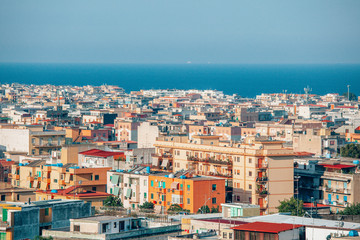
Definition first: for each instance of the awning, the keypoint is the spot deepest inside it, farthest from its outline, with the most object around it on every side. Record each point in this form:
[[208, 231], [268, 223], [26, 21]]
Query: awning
[[35, 184], [174, 185], [116, 191], [167, 149], [115, 179], [164, 163], [67, 178], [128, 193]]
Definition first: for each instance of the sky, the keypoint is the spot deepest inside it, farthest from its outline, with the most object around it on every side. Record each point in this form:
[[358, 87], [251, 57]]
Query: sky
[[174, 31]]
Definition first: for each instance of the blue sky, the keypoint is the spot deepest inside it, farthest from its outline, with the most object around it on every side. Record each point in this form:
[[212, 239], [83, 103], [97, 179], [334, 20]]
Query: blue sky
[[170, 31]]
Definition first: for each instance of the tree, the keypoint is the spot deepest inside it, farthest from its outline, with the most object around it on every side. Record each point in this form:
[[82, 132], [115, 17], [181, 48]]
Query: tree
[[113, 201], [353, 97], [204, 209], [147, 205], [292, 205], [176, 208], [215, 209], [350, 150], [353, 209]]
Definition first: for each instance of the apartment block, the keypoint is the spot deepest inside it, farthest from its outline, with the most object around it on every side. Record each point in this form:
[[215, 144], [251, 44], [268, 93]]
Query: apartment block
[[39, 175], [189, 191], [261, 171]]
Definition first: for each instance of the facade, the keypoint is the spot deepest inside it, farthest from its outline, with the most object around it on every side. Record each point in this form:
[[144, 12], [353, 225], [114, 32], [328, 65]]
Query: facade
[[126, 130], [340, 186], [261, 171], [39, 175], [147, 134], [130, 186], [5, 169], [188, 191], [27, 220], [235, 210], [96, 158]]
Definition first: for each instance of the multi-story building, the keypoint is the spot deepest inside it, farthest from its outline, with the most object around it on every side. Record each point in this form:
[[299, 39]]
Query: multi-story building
[[39, 175], [262, 171], [5, 169], [226, 133], [126, 130], [340, 185], [131, 186], [95, 158], [189, 191], [26, 220], [30, 139]]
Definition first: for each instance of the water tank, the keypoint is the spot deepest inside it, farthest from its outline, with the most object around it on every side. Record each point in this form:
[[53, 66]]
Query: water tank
[[20, 164], [137, 172], [353, 233], [356, 162], [147, 169], [171, 175], [54, 191], [166, 176]]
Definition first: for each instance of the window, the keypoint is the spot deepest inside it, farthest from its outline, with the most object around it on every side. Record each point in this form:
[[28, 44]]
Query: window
[[214, 187], [3, 197], [33, 141], [145, 195], [250, 160], [46, 212], [152, 196], [224, 235], [145, 182], [76, 228], [18, 197], [230, 235], [96, 177], [152, 183], [188, 187], [188, 201], [250, 173], [91, 177], [250, 186], [55, 180], [114, 224], [94, 189], [214, 200]]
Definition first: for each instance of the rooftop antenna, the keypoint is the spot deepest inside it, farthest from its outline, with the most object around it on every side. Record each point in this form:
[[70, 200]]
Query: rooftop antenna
[[307, 90], [348, 87]]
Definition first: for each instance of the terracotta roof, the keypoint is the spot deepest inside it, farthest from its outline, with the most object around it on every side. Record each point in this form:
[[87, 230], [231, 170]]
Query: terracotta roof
[[337, 166], [266, 227], [101, 153]]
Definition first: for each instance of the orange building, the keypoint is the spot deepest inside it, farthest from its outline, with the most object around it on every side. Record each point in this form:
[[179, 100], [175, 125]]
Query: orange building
[[189, 191]]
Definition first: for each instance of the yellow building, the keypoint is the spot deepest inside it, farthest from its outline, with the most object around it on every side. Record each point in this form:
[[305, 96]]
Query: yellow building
[[261, 170]]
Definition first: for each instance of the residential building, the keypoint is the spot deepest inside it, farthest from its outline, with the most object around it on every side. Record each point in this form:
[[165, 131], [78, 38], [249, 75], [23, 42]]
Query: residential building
[[189, 191], [96, 158], [26, 220], [236, 210]]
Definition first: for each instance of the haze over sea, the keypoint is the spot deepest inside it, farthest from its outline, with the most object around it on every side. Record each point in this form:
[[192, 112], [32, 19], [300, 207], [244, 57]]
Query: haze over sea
[[245, 80]]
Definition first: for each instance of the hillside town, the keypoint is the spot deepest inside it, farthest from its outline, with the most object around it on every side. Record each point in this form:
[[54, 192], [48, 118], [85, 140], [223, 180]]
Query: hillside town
[[97, 162]]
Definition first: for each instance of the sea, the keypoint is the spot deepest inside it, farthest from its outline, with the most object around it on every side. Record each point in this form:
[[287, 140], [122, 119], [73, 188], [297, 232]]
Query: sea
[[247, 80]]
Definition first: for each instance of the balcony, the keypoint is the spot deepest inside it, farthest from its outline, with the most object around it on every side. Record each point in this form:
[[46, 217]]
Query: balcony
[[262, 193], [262, 165], [31, 179], [261, 179], [210, 160], [47, 145]]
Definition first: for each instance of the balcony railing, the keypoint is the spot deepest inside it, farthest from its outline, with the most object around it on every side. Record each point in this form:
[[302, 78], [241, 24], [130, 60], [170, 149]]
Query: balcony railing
[[261, 165], [209, 160], [261, 179], [262, 192]]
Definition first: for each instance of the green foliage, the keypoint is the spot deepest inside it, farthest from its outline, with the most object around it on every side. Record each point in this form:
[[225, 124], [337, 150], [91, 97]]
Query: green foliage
[[204, 209], [176, 208], [147, 205], [113, 201], [351, 150], [292, 205], [353, 97], [215, 209], [353, 209]]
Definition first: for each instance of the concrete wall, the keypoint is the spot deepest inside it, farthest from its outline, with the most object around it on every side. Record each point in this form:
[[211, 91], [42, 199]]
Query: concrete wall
[[62, 213], [15, 140], [26, 223], [147, 135]]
